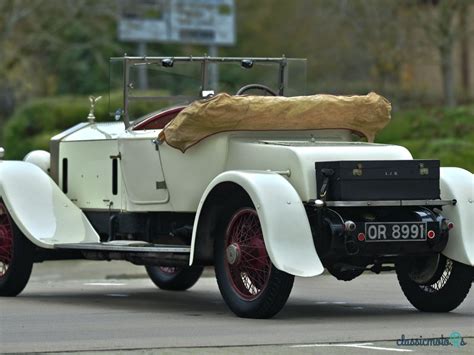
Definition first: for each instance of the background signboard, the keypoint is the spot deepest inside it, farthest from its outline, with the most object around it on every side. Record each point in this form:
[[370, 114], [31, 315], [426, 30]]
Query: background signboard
[[206, 22]]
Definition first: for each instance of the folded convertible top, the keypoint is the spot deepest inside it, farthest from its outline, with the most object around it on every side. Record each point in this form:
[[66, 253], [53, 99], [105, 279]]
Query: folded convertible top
[[365, 115]]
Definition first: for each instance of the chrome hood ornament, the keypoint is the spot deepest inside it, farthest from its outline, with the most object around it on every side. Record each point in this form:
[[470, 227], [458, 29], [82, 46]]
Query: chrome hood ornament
[[91, 116]]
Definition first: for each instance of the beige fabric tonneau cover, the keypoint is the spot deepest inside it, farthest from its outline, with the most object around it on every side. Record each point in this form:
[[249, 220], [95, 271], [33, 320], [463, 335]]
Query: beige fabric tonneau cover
[[365, 115]]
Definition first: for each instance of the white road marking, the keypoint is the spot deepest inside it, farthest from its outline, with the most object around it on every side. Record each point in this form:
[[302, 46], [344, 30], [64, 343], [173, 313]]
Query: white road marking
[[357, 307], [356, 345], [116, 294], [380, 348], [322, 302], [339, 302], [104, 284], [322, 345]]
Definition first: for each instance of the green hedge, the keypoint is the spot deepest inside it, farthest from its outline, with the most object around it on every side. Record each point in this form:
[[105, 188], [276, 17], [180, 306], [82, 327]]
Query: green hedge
[[34, 123], [436, 133]]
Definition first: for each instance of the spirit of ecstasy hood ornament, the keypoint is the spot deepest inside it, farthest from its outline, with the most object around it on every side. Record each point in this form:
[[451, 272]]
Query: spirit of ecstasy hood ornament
[[93, 100]]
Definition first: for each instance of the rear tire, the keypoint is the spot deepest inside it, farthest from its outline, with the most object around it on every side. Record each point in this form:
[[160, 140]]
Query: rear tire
[[250, 284], [16, 256], [441, 288], [174, 278]]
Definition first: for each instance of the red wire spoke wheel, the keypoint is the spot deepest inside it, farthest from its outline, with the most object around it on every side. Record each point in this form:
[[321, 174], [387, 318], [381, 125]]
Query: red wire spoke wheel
[[16, 256], [6, 240], [248, 265], [250, 284]]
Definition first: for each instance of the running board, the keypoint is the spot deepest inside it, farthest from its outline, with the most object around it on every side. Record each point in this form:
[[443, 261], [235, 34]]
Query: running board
[[127, 246]]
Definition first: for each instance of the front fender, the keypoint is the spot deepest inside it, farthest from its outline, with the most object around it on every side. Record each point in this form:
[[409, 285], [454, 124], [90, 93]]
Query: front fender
[[458, 184], [283, 219], [42, 212]]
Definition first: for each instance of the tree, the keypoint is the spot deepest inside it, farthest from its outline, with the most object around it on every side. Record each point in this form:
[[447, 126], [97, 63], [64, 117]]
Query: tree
[[54, 46], [440, 20], [378, 28], [465, 55]]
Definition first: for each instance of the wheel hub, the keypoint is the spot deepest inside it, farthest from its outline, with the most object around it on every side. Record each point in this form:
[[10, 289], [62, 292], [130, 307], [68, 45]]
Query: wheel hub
[[426, 270], [233, 254]]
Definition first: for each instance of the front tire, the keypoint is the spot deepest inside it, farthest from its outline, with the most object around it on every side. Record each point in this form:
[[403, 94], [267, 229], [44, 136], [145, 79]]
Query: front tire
[[16, 256], [436, 284], [249, 283], [174, 278]]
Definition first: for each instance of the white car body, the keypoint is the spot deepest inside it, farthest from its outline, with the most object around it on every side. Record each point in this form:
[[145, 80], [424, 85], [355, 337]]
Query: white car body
[[113, 168]]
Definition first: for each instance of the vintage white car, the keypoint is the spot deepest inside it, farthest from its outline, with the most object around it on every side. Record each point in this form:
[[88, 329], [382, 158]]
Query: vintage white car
[[265, 187]]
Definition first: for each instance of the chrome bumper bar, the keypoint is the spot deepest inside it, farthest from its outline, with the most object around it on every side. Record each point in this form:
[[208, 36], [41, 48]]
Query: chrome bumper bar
[[390, 203]]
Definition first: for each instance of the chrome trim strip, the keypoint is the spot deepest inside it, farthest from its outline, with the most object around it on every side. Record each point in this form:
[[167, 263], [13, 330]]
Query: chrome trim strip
[[390, 203], [105, 209], [69, 131], [145, 247], [280, 172], [428, 202]]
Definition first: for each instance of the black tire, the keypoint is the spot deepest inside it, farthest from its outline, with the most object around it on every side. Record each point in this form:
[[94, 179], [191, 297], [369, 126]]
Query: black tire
[[174, 278], [16, 256], [249, 283], [441, 289]]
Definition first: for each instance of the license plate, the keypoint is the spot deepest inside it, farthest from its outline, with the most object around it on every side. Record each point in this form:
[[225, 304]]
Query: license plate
[[395, 231]]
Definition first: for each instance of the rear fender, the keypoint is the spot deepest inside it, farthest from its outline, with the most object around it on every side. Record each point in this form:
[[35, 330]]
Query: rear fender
[[283, 219], [458, 184], [42, 212]]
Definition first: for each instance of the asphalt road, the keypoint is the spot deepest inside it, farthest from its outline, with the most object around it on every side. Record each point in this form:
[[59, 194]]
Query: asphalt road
[[113, 308]]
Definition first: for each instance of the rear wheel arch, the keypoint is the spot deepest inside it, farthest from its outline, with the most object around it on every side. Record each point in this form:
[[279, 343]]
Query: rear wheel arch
[[207, 224], [281, 213]]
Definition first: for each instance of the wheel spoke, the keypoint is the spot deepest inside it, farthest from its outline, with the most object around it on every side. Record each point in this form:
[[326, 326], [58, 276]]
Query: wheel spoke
[[442, 281], [6, 240], [170, 270], [249, 276], [252, 257]]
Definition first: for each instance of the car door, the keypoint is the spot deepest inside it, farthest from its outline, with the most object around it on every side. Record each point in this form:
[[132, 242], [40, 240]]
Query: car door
[[142, 172]]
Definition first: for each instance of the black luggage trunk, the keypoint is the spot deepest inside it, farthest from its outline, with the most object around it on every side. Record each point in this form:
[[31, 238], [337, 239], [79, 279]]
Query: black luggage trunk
[[378, 180]]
